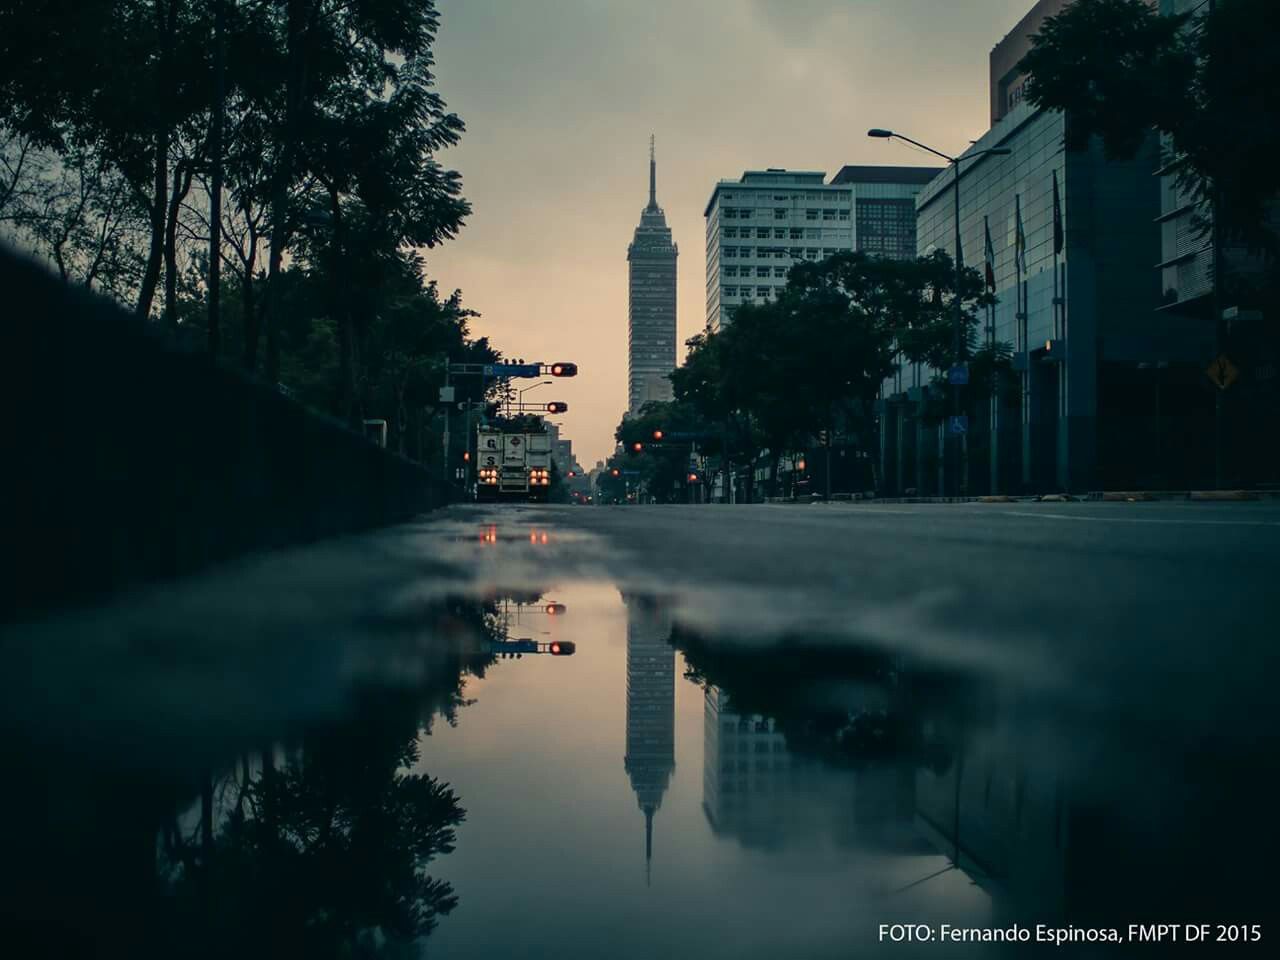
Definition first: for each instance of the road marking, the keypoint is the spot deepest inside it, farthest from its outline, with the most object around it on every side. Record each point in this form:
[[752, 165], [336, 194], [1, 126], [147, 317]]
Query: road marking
[[1207, 523]]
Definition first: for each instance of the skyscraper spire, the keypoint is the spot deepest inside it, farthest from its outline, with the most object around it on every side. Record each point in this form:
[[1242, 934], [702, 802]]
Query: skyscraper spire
[[653, 177]]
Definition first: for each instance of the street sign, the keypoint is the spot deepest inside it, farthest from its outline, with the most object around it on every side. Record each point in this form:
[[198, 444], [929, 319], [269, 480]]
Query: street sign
[[446, 394], [958, 375], [512, 370], [958, 426], [1223, 372]]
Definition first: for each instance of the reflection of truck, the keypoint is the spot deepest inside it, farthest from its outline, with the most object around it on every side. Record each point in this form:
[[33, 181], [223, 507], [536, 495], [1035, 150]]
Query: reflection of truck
[[512, 463]]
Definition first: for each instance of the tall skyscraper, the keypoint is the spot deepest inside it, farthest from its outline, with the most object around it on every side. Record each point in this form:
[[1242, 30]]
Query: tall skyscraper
[[651, 308], [651, 703]]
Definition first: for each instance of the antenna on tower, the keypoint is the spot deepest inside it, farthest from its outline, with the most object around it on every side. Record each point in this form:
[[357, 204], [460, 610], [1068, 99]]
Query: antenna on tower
[[653, 175]]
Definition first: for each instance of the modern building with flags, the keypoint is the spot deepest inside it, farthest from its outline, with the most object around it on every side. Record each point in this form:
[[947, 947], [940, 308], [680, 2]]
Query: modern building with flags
[[1069, 241]]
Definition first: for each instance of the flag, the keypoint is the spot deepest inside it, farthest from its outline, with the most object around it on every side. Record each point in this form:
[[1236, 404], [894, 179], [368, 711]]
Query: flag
[[990, 254], [1057, 217], [1020, 237]]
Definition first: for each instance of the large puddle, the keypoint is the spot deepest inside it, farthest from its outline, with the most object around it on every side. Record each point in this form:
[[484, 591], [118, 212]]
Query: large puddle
[[500, 763]]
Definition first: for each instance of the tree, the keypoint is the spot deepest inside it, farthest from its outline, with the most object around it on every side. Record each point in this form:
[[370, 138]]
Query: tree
[[1118, 69]]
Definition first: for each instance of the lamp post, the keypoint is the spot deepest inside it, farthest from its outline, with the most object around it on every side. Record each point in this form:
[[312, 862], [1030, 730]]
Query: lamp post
[[520, 393], [958, 323]]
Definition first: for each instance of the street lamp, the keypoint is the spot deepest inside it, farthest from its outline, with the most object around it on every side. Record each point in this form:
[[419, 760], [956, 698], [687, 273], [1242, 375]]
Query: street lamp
[[520, 393], [958, 324]]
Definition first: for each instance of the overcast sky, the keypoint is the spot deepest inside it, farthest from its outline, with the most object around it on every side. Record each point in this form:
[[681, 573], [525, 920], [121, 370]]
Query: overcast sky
[[560, 96]]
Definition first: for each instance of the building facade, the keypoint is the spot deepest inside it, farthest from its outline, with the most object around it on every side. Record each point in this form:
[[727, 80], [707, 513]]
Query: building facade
[[1077, 303], [760, 224], [651, 304]]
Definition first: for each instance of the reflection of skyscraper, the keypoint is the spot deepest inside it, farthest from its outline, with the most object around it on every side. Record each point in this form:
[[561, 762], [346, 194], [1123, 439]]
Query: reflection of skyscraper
[[651, 721]]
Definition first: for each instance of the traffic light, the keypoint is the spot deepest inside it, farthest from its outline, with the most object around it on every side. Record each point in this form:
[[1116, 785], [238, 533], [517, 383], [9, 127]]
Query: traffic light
[[693, 478], [615, 472], [637, 447], [554, 609], [573, 473], [562, 648], [800, 464], [555, 406], [564, 369], [466, 457], [657, 436]]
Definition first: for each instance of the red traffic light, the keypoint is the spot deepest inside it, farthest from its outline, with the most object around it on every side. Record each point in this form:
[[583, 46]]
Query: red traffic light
[[564, 369], [637, 447], [466, 457], [615, 472], [573, 473], [693, 478], [562, 648], [657, 435], [554, 609], [556, 406]]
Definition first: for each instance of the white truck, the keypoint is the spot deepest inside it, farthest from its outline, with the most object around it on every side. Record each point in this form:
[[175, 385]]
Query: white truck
[[512, 464]]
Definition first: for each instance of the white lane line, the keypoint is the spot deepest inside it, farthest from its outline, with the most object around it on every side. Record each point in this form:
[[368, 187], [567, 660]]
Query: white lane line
[[1205, 523]]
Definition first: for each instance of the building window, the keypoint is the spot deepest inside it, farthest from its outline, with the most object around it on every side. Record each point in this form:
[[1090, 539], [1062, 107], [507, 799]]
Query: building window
[[812, 234], [779, 234], [796, 233], [779, 271], [780, 253], [762, 271], [730, 291], [797, 253], [762, 233], [811, 214], [779, 214], [810, 253], [844, 215], [763, 291], [727, 213], [731, 232], [728, 251], [744, 214], [744, 252], [828, 214], [730, 271]]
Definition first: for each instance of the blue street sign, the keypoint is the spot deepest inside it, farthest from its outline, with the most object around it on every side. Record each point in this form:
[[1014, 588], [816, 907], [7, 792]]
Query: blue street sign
[[631, 473], [958, 426], [512, 370], [958, 375], [687, 437]]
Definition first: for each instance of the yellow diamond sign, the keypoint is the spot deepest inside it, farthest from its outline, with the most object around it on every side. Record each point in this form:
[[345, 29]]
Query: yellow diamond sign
[[1223, 372]]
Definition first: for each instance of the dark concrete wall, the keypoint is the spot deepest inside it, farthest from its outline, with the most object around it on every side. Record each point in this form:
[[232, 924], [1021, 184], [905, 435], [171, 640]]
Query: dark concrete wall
[[129, 459]]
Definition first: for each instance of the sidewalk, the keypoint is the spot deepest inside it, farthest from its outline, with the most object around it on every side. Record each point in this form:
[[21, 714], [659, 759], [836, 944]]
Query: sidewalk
[[1098, 496]]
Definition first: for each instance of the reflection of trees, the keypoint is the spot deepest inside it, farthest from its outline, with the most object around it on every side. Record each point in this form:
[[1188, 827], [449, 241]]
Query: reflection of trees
[[329, 855], [323, 849], [846, 706]]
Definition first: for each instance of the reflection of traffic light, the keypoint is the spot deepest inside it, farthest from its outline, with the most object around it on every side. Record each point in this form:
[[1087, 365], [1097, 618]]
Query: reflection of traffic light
[[562, 648], [555, 406], [657, 435], [564, 369]]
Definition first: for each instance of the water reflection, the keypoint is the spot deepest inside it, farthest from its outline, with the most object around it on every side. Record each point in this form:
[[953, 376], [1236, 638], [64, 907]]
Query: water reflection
[[319, 841], [650, 754]]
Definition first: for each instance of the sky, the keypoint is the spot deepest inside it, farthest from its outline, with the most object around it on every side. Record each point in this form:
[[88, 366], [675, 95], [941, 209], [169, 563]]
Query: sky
[[559, 98]]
